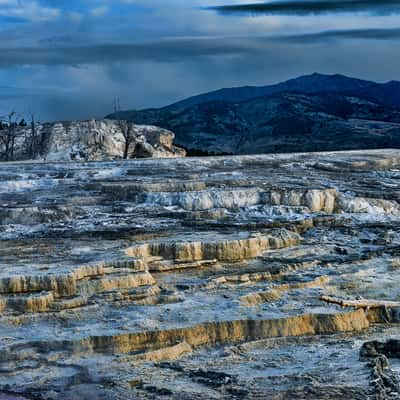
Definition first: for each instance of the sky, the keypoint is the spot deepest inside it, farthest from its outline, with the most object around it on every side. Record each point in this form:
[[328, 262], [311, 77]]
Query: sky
[[70, 59]]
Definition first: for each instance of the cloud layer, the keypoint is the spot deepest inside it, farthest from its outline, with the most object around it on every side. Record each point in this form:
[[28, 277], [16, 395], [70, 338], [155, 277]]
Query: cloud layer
[[313, 7], [175, 50]]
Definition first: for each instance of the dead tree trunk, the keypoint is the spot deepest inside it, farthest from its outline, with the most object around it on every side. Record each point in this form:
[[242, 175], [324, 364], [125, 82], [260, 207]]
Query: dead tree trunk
[[33, 138], [9, 135], [128, 137], [125, 127]]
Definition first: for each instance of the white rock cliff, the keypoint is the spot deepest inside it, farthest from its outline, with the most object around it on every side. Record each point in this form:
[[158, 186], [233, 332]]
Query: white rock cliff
[[93, 140]]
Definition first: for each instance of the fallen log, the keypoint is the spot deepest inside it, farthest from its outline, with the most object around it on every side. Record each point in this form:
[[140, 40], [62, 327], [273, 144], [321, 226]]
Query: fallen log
[[363, 303]]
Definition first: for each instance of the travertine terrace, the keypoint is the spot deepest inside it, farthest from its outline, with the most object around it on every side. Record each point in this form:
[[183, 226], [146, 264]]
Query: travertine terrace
[[251, 277]]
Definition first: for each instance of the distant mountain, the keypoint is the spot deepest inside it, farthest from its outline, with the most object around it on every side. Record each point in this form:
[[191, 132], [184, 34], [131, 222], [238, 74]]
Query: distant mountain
[[310, 113], [314, 83]]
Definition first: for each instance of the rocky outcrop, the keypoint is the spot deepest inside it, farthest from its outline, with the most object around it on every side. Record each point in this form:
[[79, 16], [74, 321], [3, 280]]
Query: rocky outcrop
[[385, 381], [40, 293], [221, 250], [195, 196], [93, 140], [390, 349], [367, 205], [170, 353], [209, 333]]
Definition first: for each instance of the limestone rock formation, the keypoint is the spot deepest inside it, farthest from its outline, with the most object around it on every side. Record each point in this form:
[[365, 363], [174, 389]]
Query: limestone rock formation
[[250, 277], [93, 140]]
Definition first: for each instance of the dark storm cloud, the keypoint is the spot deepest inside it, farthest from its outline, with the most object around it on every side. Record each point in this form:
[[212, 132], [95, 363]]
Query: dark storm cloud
[[313, 7], [162, 51], [175, 50], [362, 34]]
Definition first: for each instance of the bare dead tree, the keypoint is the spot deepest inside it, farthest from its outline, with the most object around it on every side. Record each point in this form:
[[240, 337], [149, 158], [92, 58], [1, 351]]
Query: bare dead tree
[[126, 128], [32, 137], [9, 134]]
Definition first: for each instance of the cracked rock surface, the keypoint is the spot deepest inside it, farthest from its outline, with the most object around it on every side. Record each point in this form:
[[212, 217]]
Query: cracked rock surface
[[201, 278]]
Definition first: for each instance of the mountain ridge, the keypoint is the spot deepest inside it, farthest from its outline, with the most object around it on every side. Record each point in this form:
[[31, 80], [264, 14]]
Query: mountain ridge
[[312, 112], [265, 90]]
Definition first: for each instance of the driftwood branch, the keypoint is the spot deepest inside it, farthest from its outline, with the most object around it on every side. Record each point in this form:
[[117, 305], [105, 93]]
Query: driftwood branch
[[360, 303]]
